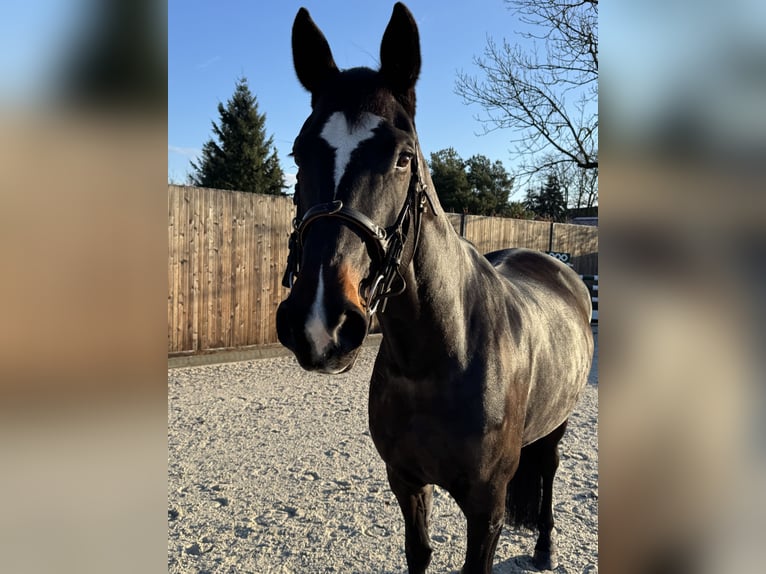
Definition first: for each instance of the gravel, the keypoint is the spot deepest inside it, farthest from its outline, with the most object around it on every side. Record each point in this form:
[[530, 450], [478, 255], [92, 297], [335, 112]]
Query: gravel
[[272, 469]]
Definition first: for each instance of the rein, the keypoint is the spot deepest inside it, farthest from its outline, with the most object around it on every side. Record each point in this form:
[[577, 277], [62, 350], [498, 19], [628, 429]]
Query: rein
[[392, 248]]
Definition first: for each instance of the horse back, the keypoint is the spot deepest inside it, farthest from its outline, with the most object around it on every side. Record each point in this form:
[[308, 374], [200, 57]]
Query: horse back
[[535, 268]]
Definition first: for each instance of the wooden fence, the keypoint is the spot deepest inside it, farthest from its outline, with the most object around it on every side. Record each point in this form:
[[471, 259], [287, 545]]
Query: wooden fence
[[227, 251], [491, 233]]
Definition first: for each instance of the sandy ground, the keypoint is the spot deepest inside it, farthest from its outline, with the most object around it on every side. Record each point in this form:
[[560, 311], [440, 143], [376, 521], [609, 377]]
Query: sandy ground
[[272, 469]]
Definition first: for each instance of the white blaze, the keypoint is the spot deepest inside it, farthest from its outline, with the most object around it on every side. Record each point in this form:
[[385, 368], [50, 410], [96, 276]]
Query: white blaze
[[345, 138], [316, 326]]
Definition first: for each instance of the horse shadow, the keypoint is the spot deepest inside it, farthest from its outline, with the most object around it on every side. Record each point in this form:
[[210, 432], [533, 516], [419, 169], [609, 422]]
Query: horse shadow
[[522, 564]]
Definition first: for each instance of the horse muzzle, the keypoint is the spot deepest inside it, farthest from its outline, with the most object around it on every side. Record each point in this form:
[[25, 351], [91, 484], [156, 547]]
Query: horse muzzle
[[324, 336]]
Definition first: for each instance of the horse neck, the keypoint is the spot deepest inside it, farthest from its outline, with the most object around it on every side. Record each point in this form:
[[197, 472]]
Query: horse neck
[[428, 318]]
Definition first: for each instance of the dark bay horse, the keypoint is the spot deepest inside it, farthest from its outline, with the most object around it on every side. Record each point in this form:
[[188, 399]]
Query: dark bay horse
[[482, 358]]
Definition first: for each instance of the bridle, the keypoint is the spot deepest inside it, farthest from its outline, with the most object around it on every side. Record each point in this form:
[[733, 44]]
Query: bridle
[[391, 248]]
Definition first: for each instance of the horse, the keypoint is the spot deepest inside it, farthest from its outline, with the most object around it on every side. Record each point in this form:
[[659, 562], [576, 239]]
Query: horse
[[482, 359]]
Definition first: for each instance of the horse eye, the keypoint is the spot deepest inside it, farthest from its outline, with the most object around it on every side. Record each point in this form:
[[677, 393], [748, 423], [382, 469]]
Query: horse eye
[[404, 160]]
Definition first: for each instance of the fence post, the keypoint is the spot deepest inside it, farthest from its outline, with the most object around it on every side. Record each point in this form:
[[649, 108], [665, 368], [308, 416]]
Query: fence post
[[550, 237], [462, 224]]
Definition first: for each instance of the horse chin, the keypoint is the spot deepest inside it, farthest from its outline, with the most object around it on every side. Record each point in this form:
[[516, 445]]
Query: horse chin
[[328, 365], [335, 371], [336, 365], [339, 366], [347, 368]]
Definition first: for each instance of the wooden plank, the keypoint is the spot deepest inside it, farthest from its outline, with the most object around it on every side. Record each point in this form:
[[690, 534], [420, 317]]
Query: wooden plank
[[175, 272], [172, 268], [194, 265], [267, 243], [236, 269], [187, 268], [233, 271], [228, 274], [179, 273], [205, 269], [253, 316], [215, 266], [281, 227], [224, 279], [247, 270], [217, 338], [171, 228], [260, 312], [183, 262], [243, 288]]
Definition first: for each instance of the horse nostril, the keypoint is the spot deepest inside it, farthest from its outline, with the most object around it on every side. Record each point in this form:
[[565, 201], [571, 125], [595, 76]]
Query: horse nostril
[[352, 329]]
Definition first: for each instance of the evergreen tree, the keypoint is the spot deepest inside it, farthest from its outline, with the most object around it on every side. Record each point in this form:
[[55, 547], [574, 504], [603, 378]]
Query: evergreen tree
[[518, 210], [490, 185], [451, 181], [548, 202], [243, 158], [475, 185]]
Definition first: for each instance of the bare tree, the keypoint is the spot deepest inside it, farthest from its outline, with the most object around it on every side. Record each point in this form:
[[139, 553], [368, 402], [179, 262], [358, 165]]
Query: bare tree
[[549, 99], [586, 187], [579, 185]]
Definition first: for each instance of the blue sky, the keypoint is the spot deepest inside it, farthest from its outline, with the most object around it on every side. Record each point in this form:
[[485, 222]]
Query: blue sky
[[32, 37], [212, 43]]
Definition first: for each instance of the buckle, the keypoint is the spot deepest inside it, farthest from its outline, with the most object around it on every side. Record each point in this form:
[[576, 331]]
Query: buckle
[[373, 295]]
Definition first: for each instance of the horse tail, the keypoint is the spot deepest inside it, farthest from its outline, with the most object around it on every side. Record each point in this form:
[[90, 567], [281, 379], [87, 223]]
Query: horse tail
[[538, 461], [524, 494]]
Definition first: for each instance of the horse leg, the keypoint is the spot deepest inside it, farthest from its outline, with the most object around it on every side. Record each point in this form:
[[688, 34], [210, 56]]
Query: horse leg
[[484, 508], [545, 556], [415, 502]]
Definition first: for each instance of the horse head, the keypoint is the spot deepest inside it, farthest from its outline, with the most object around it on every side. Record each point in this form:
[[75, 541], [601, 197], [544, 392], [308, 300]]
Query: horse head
[[359, 193]]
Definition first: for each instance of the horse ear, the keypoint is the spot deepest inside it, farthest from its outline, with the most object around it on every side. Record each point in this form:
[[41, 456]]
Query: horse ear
[[312, 56], [400, 54]]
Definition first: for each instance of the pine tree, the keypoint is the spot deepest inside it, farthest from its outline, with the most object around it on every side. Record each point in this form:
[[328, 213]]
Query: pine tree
[[518, 210], [243, 158], [548, 203]]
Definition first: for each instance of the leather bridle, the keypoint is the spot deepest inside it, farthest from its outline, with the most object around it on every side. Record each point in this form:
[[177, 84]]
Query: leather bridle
[[391, 248]]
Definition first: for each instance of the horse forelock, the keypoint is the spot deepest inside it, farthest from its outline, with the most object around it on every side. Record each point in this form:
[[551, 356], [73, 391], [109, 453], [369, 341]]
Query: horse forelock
[[357, 91]]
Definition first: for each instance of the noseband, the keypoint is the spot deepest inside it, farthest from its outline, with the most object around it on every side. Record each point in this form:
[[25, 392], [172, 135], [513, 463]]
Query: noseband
[[391, 248]]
